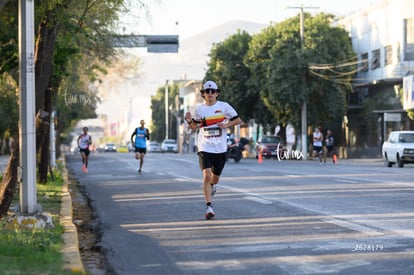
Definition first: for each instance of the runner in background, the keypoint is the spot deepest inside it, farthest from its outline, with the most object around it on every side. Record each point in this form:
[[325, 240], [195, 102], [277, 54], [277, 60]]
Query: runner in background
[[84, 140], [317, 144], [140, 143], [329, 143]]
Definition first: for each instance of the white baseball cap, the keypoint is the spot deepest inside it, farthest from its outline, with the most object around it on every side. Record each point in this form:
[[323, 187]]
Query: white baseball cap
[[210, 85]]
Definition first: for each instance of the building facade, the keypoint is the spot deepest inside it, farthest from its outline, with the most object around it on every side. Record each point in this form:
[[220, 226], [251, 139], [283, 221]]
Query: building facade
[[382, 36]]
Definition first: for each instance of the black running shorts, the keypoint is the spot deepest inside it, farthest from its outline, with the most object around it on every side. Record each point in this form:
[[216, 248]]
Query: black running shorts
[[140, 150], [317, 149], [86, 151], [211, 160]]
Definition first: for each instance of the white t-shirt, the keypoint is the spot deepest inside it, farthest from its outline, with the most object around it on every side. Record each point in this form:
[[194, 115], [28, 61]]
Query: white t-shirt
[[211, 138], [84, 141], [317, 139]]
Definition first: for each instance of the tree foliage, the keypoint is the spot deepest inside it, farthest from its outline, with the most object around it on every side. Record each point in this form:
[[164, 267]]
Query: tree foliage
[[9, 75], [70, 33], [157, 129], [228, 69], [268, 76], [8, 112], [282, 70], [72, 48]]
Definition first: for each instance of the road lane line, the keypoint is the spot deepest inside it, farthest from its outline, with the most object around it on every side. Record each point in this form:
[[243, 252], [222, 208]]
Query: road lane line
[[248, 195], [354, 226], [257, 199], [346, 181]]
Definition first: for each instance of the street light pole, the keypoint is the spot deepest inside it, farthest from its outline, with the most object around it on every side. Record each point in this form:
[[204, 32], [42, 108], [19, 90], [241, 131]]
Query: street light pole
[[27, 129], [166, 108], [52, 140], [304, 110]]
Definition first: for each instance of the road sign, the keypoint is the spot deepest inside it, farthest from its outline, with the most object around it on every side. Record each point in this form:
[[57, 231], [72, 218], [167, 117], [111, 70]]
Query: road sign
[[153, 43], [128, 41]]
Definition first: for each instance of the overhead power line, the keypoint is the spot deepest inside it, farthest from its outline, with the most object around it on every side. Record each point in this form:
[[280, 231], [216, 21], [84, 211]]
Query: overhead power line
[[336, 72]]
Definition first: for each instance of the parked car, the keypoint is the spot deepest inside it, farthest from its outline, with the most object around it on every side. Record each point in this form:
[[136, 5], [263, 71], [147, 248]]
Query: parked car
[[110, 147], [270, 146], [398, 148], [122, 149], [101, 148], [169, 145], [154, 146]]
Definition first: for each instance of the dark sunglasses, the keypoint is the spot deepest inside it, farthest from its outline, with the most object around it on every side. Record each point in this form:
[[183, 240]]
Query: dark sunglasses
[[209, 91]]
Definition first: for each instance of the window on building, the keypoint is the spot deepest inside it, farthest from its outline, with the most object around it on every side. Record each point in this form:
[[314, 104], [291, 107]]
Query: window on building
[[364, 62], [387, 55], [409, 39], [376, 59]]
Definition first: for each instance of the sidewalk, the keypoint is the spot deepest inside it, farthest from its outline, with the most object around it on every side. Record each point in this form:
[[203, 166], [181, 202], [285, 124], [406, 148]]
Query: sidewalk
[[71, 255]]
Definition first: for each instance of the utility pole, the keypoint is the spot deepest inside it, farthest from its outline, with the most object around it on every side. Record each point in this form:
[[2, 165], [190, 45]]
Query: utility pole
[[304, 119], [27, 129]]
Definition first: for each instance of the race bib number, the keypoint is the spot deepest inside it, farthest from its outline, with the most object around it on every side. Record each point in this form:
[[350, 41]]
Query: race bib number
[[212, 132]]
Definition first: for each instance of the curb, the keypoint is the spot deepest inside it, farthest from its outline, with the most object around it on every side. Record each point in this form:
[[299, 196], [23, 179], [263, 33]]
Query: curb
[[71, 256]]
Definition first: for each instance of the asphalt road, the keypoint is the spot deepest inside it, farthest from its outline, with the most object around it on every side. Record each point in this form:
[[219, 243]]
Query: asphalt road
[[277, 217]]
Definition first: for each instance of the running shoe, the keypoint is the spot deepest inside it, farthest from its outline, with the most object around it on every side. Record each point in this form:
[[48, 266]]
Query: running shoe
[[209, 213], [139, 171], [213, 189]]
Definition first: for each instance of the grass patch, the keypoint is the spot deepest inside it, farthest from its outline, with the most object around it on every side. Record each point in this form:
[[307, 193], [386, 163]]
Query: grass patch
[[36, 251], [31, 251]]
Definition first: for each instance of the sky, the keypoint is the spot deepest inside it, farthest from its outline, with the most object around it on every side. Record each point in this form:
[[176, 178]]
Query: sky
[[188, 18]]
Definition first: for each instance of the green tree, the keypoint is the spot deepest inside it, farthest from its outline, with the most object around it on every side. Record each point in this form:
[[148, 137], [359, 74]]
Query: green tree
[[8, 112], [331, 65], [8, 69], [157, 128], [70, 34], [287, 74], [227, 68], [84, 30], [265, 63]]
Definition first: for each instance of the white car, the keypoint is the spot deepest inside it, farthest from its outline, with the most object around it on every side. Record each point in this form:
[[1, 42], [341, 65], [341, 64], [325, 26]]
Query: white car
[[399, 148], [154, 146], [169, 145]]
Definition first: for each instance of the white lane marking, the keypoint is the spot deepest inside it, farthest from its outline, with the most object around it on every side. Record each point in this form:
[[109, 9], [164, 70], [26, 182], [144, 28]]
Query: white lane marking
[[181, 178], [248, 195], [354, 226], [346, 181], [257, 199]]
